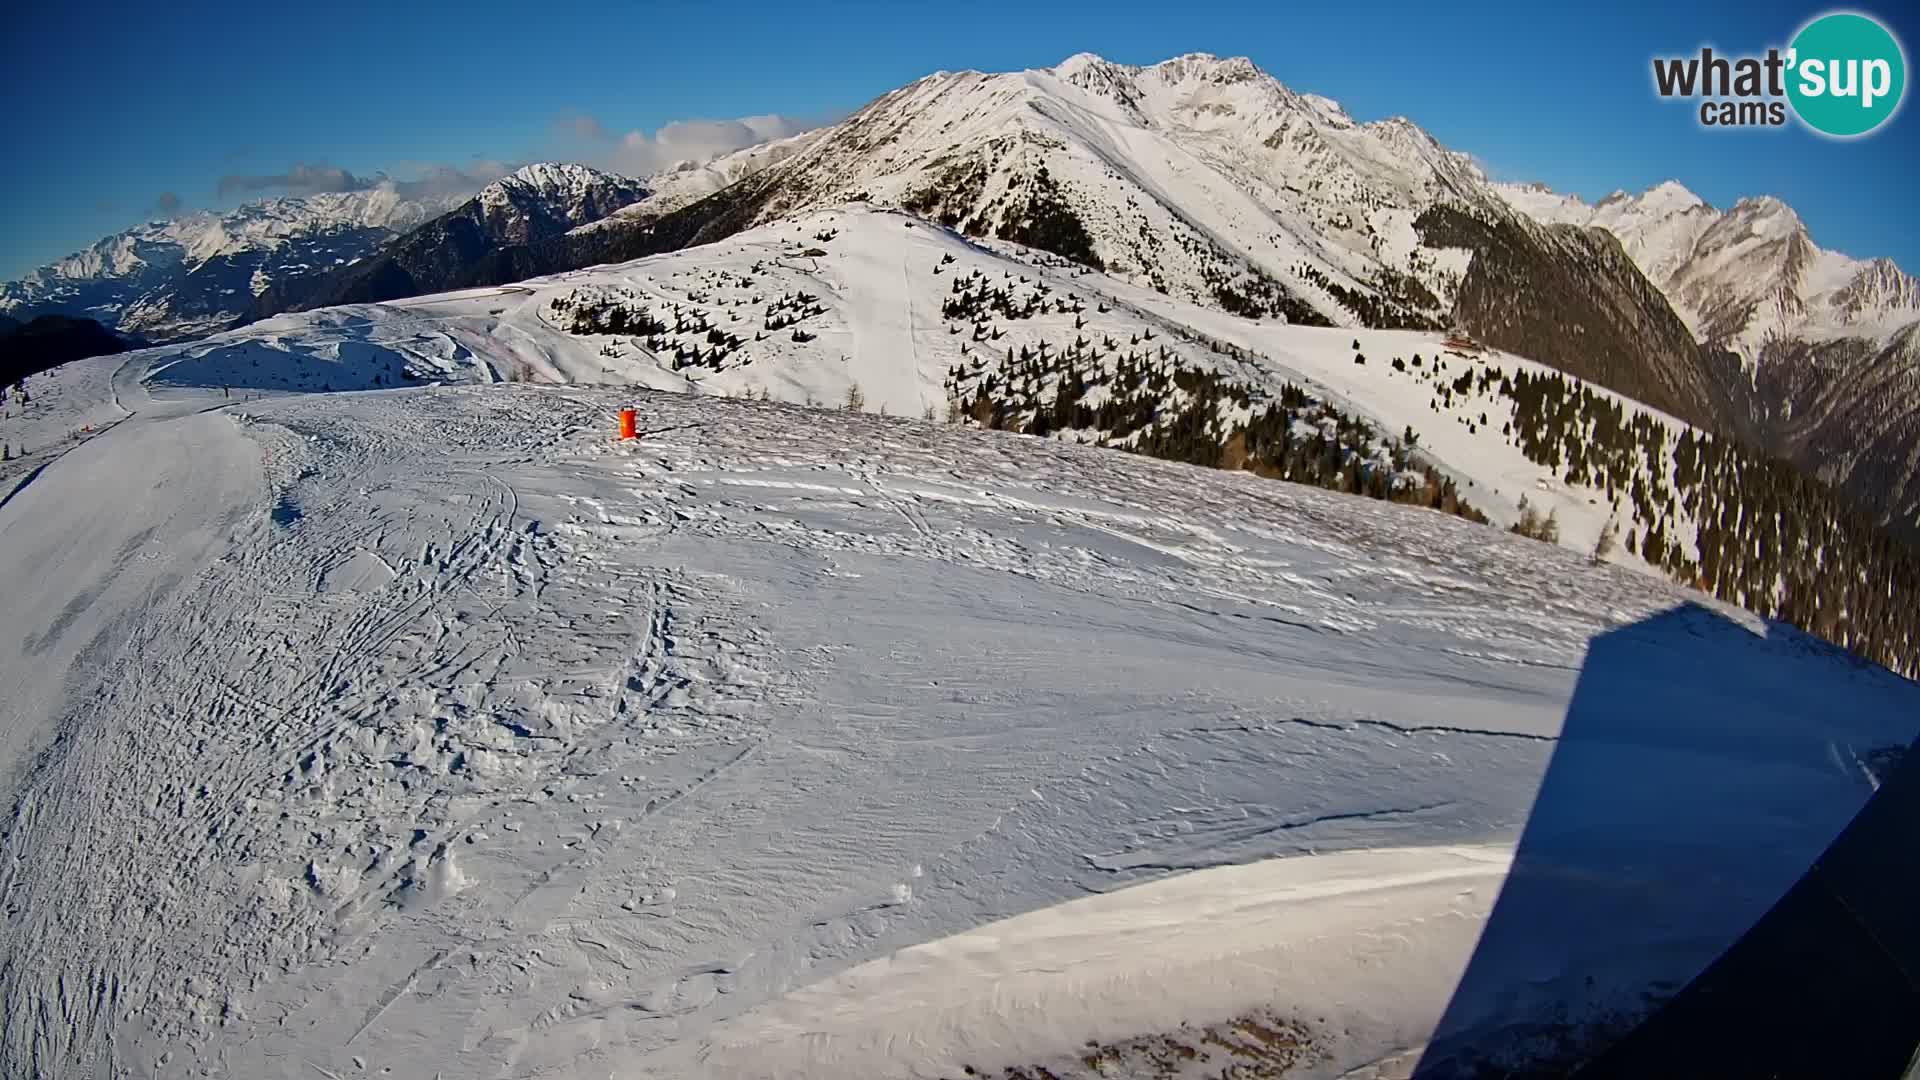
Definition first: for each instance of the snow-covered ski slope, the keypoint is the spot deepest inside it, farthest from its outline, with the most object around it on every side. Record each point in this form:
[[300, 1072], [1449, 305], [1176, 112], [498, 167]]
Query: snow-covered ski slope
[[431, 732], [873, 312]]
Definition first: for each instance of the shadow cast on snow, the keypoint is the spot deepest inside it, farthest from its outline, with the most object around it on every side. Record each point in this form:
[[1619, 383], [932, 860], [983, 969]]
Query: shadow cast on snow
[[1700, 772]]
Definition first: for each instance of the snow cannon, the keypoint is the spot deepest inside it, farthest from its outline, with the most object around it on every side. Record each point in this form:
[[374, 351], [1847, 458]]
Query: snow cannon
[[629, 424]]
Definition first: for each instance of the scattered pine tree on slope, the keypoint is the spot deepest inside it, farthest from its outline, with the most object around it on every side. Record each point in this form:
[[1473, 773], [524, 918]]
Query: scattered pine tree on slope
[[1713, 516], [1762, 534], [1152, 404]]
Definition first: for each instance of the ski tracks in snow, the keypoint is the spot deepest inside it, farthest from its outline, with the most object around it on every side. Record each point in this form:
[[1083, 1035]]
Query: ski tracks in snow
[[885, 359], [368, 685], [492, 746]]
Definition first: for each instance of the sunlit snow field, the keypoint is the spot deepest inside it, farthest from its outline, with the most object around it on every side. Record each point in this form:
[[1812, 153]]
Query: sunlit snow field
[[432, 731]]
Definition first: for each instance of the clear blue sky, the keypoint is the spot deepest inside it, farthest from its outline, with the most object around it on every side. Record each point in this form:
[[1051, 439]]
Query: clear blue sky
[[112, 105]]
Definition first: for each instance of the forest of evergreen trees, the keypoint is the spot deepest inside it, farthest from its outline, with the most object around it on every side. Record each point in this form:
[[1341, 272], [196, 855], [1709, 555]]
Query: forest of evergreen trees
[[1045, 221], [1711, 514], [1398, 301], [1767, 538], [1035, 213], [1146, 400], [684, 335], [1752, 531]]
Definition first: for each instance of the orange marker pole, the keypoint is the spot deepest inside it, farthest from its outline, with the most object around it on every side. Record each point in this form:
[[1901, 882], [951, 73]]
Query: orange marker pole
[[629, 424]]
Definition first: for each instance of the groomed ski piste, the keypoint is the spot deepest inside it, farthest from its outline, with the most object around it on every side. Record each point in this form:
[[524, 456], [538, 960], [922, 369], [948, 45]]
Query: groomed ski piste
[[432, 731]]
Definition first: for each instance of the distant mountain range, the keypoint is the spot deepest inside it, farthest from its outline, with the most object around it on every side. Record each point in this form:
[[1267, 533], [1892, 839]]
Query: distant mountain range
[[879, 310], [537, 203], [199, 273], [1744, 277], [1829, 345], [1207, 180]]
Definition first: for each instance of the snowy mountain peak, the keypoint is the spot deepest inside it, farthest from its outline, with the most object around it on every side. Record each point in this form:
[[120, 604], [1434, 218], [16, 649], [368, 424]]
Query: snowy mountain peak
[[1398, 134], [1186, 174], [1769, 212], [548, 178], [1100, 77], [1879, 287], [1741, 278], [548, 198], [1080, 65], [1673, 194], [1332, 111], [1661, 200], [1207, 67]]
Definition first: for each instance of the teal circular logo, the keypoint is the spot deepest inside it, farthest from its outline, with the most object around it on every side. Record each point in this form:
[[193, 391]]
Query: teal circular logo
[[1847, 74]]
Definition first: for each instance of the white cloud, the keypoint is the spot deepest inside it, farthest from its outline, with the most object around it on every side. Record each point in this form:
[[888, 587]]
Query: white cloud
[[635, 153], [304, 178], [430, 180], [582, 126], [436, 181], [639, 153]]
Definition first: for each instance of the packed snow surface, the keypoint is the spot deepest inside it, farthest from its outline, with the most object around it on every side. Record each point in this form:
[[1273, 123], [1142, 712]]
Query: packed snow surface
[[433, 732], [872, 320]]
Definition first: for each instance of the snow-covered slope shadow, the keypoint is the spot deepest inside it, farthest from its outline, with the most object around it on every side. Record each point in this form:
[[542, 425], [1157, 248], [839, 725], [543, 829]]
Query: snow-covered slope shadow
[[1702, 764], [1831, 974], [1667, 822]]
